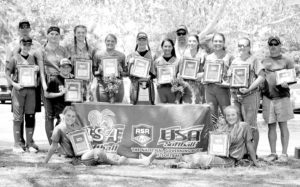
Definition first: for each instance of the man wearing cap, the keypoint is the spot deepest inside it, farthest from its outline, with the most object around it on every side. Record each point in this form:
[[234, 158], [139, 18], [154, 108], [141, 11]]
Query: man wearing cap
[[55, 89], [23, 97], [181, 40], [277, 106]]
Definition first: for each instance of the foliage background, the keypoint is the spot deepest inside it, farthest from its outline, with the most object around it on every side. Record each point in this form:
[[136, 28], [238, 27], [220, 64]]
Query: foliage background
[[256, 19]]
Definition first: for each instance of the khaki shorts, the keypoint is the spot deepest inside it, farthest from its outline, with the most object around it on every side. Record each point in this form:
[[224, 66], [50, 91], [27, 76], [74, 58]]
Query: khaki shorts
[[277, 110]]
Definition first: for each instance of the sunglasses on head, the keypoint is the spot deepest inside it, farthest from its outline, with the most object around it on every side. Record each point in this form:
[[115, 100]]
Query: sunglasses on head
[[274, 44], [181, 33], [242, 45]]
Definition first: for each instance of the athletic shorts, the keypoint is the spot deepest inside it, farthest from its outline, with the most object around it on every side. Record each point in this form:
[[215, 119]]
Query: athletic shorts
[[277, 110], [217, 95], [248, 106], [23, 102]]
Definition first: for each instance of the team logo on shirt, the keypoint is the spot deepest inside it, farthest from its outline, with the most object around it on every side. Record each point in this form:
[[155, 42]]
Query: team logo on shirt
[[142, 134]]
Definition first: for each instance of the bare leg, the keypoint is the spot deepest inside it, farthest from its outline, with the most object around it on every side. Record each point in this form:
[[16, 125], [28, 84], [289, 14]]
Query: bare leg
[[285, 135], [255, 134], [272, 135], [133, 161], [195, 160], [97, 154]]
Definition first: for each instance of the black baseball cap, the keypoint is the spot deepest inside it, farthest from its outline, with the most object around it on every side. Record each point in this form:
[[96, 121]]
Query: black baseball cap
[[276, 38], [53, 28], [183, 28], [24, 23]]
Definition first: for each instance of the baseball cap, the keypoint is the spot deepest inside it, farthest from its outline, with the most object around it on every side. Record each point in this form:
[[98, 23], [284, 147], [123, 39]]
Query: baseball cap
[[276, 38], [26, 40], [24, 23], [182, 27], [53, 28], [65, 61], [142, 35]]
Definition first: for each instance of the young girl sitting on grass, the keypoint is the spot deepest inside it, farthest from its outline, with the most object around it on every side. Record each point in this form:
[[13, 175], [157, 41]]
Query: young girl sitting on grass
[[96, 156]]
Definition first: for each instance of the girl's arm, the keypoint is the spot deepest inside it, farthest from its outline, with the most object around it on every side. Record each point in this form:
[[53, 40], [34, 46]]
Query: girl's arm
[[51, 151], [251, 151], [62, 91], [254, 85]]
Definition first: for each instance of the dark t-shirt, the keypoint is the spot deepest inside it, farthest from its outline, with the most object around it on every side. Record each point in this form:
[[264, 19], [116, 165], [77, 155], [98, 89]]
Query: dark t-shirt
[[167, 58], [271, 65], [143, 53], [53, 87]]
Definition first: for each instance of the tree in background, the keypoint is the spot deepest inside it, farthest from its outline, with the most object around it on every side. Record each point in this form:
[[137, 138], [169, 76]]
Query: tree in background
[[256, 19]]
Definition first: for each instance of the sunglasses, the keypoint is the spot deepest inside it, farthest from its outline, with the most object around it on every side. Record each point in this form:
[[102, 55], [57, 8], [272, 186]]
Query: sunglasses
[[24, 27], [242, 45], [181, 34], [274, 44], [27, 44]]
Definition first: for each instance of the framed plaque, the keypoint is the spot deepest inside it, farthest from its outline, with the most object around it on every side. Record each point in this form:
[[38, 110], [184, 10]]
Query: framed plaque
[[213, 72], [73, 92], [218, 143], [165, 74], [80, 141], [286, 75], [190, 69], [240, 76], [27, 75], [140, 67], [83, 69], [110, 67]]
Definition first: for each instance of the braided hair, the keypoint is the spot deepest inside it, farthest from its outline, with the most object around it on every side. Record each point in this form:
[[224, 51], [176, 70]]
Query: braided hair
[[75, 39]]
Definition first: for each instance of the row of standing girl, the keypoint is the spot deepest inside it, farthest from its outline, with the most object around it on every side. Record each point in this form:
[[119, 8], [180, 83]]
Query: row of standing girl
[[215, 94]]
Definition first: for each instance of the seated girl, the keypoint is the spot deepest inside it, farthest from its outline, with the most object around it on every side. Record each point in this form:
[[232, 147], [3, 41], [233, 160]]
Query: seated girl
[[96, 155], [240, 144]]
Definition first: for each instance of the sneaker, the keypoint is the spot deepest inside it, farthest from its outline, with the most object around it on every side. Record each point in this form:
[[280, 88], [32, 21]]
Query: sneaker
[[282, 159], [18, 149], [271, 158], [33, 148]]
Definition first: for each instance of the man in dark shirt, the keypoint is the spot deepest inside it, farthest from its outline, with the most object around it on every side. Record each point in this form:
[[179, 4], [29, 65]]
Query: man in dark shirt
[[277, 106]]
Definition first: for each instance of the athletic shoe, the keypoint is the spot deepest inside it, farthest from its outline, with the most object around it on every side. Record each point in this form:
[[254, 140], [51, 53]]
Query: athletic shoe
[[18, 149], [33, 148], [271, 158], [282, 159]]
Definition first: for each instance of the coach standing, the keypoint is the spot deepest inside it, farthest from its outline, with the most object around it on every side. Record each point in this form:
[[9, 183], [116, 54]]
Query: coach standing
[[277, 106]]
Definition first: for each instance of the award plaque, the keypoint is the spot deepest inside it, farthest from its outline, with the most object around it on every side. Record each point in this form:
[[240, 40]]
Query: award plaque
[[83, 69], [73, 93], [213, 72], [80, 141], [165, 74], [218, 143], [286, 75], [140, 67], [240, 76], [110, 67], [190, 69], [27, 75]]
